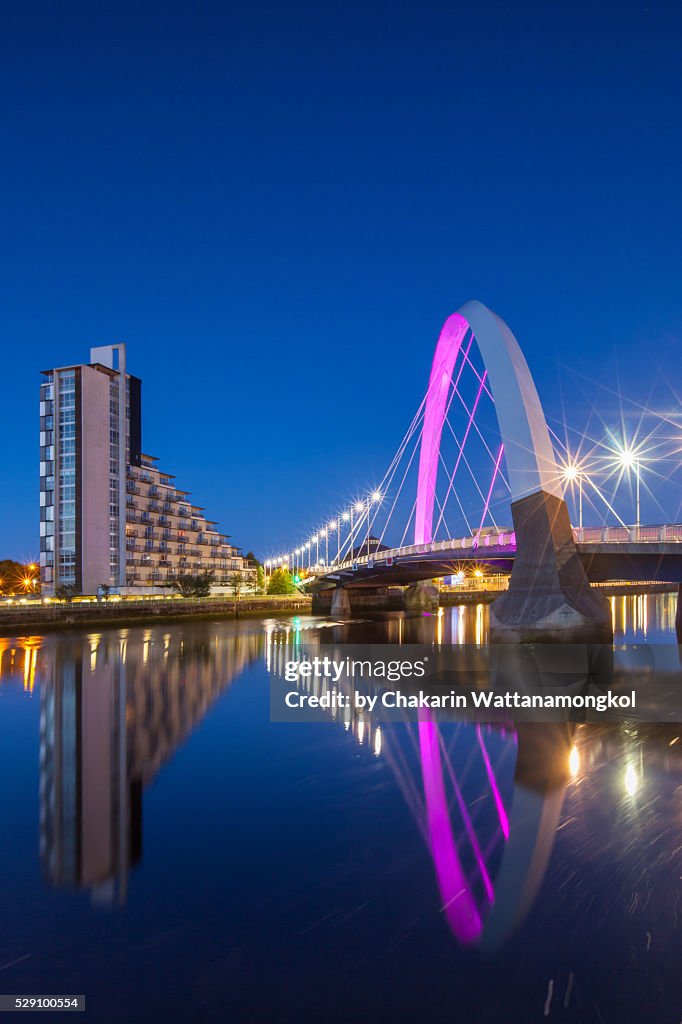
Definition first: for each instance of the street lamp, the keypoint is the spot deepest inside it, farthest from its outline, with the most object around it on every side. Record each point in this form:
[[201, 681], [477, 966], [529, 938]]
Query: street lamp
[[324, 533], [374, 497], [332, 525], [345, 516], [573, 474], [357, 507], [628, 460]]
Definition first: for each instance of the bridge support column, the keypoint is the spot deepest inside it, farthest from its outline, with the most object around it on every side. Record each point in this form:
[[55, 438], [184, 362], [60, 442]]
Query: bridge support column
[[549, 596], [678, 615], [341, 603], [421, 597]]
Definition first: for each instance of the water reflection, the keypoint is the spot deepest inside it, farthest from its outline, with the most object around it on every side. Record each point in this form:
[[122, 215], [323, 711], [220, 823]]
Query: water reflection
[[488, 802], [113, 709]]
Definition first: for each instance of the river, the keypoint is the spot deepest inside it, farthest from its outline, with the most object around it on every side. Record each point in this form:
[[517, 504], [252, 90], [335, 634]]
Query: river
[[172, 854]]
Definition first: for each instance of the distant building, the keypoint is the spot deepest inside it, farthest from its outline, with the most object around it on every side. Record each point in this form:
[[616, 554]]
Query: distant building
[[108, 514]]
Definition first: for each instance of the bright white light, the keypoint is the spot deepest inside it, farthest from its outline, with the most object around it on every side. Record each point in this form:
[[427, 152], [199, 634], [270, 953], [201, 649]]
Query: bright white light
[[574, 761], [332, 525], [314, 539], [376, 495], [359, 506], [345, 516], [628, 458], [571, 472], [631, 780]]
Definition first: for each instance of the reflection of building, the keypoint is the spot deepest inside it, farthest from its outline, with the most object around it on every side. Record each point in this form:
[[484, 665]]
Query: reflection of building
[[108, 514], [113, 710], [91, 809]]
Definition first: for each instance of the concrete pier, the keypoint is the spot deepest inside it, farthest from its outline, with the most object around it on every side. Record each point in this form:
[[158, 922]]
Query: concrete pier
[[421, 597], [341, 603], [549, 597]]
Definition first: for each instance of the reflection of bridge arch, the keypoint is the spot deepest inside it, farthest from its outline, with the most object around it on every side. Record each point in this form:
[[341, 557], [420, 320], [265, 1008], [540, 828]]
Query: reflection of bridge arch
[[528, 826], [528, 450], [487, 874]]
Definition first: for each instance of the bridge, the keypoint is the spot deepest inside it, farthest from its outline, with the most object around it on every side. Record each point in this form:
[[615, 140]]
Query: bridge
[[640, 553], [479, 452]]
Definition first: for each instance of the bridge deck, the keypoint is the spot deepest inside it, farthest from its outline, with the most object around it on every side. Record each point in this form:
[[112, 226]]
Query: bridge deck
[[645, 552]]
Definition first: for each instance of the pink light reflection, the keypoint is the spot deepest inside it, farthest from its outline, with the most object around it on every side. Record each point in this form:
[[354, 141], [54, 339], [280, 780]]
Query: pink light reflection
[[458, 902]]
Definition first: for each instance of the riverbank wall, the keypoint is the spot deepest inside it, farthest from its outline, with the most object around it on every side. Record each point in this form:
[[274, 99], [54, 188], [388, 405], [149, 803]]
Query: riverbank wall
[[79, 615]]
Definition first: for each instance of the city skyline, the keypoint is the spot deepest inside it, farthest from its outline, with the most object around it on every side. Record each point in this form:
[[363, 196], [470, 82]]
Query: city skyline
[[271, 269]]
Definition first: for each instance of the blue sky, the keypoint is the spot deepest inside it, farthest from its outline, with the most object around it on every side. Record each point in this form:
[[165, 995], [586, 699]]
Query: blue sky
[[276, 205]]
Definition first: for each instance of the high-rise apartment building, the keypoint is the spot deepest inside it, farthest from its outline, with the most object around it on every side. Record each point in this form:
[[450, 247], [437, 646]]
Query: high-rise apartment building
[[108, 514]]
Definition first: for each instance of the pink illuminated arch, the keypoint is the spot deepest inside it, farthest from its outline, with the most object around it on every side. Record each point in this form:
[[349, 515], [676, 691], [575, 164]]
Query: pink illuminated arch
[[527, 447], [531, 467]]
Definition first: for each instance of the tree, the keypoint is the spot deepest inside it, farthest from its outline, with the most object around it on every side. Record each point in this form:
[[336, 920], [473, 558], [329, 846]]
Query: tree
[[103, 591], [281, 582], [259, 585], [66, 591], [188, 585], [237, 582], [250, 557]]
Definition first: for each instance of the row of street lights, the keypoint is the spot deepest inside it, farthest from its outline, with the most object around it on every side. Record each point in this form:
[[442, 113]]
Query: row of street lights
[[573, 472], [302, 557]]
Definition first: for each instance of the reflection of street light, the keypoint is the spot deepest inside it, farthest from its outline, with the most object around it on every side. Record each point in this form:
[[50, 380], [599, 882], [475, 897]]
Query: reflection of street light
[[631, 780], [574, 761], [573, 474]]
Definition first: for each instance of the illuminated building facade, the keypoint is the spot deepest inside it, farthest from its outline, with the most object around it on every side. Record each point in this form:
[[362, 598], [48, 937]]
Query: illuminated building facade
[[108, 515]]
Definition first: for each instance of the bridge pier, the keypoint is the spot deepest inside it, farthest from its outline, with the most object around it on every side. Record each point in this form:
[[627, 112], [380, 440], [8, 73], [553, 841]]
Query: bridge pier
[[421, 597], [341, 603], [549, 596], [678, 615]]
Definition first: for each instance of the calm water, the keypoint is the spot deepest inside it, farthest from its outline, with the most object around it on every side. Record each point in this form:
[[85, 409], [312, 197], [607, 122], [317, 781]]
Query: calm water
[[171, 854]]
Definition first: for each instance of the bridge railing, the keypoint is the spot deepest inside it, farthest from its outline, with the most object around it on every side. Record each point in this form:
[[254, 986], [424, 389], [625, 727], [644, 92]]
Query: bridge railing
[[629, 535], [507, 539]]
